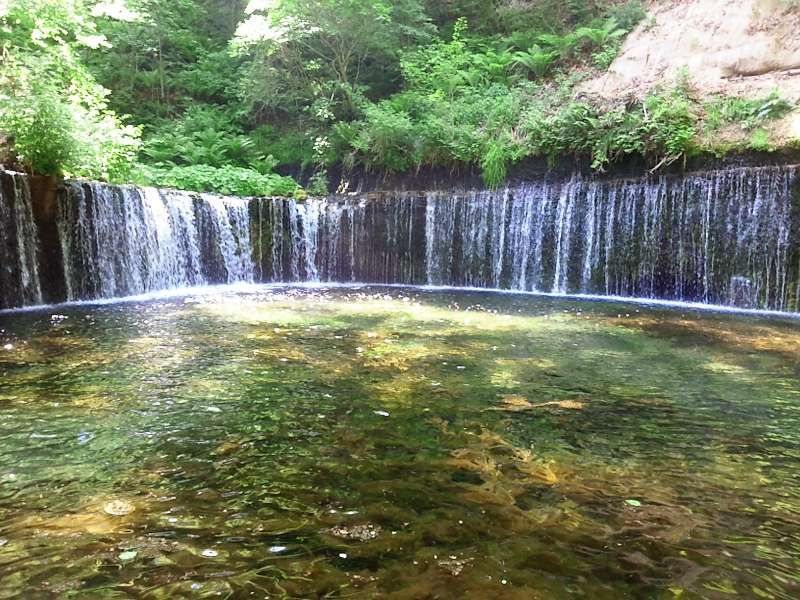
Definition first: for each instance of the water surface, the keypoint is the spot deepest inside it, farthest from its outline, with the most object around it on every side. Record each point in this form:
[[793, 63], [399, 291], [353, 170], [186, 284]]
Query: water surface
[[397, 443]]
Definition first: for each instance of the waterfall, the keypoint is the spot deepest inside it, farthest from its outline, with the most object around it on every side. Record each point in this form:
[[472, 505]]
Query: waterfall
[[19, 244], [122, 240], [728, 237], [340, 240]]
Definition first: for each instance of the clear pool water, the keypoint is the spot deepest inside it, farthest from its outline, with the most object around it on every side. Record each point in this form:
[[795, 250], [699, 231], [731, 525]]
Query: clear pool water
[[397, 443]]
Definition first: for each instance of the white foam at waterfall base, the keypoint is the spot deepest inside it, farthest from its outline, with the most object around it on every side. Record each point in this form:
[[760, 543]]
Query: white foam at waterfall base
[[229, 291]]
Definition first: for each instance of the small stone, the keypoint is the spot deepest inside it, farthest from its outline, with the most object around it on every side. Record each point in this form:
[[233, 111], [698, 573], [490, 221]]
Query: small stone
[[118, 508], [128, 555], [454, 565], [355, 533]]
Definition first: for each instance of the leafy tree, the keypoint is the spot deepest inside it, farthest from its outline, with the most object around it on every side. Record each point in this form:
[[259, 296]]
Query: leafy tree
[[52, 111], [335, 48], [167, 55]]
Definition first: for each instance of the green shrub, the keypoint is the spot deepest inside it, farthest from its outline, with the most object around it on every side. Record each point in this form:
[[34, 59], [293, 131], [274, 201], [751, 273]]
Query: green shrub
[[227, 180], [52, 110], [536, 60], [289, 147], [759, 141], [386, 137], [603, 58], [628, 14], [41, 127], [204, 134], [661, 129], [498, 155], [56, 133], [749, 113], [670, 126]]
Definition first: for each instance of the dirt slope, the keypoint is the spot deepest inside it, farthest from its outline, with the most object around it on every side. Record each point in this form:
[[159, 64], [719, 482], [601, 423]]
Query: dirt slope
[[732, 47]]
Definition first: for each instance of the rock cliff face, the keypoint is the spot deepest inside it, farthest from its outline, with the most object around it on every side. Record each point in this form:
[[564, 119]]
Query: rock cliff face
[[731, 47]]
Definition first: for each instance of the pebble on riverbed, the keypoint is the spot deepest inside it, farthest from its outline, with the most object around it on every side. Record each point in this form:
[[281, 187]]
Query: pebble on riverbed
[[118, 508], [355, 533], [454, 565]]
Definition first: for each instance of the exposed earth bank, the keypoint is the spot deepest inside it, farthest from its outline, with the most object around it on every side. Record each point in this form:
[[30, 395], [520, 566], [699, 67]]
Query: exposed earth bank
[[731, 47]]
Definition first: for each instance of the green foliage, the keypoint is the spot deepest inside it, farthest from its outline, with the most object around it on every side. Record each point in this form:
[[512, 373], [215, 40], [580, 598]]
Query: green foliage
[[669, 126], [498, 155], [563, 46], [388, 137], [167, 55], [661, 129], [205, 135], [602, 59], [448, 67], [225, 95], [318, 185], [748, 113], [305, 50], [628, 15], [51, 108], [288, 147], [227, 180], [536, 60], [598, 37], [759, 141], [552, 16]]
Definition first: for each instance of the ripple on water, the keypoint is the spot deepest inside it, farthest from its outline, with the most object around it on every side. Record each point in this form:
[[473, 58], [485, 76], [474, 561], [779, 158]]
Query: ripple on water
[[402, 443]]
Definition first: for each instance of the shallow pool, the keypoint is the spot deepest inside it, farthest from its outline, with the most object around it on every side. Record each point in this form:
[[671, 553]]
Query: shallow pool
[[397, 443]]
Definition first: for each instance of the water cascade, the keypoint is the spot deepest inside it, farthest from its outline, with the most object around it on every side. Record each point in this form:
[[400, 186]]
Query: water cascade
[[119, 241], [728, 237], [19, 244]]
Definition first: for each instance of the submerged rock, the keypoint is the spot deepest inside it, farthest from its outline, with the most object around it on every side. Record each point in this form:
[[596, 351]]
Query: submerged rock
[[518, 403], [454, 565], [355, 533], [515, 403], [118, 508]]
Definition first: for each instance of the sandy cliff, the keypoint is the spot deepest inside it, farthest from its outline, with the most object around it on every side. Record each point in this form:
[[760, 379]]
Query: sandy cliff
[[731, 47]]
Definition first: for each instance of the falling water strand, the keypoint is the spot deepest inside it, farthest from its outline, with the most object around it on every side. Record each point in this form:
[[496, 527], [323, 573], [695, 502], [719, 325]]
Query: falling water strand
[[118, 241], [19, 244]]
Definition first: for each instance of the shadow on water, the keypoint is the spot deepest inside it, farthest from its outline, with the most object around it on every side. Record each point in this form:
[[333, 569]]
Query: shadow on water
[[397, 444]]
